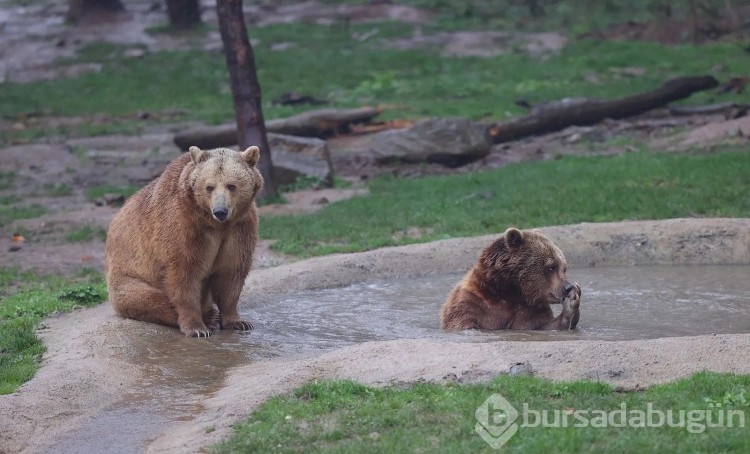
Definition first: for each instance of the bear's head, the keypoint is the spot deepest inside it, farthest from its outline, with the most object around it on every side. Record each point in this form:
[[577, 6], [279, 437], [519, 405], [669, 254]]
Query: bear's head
[[525, 266], [225, 182]]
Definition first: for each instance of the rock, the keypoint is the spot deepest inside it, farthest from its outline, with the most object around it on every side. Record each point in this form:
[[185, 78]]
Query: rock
[[520, 369], [134, 52], [110, 200], [476, 376], [299, 156], [452, 142], [450, 377], [282, 46]]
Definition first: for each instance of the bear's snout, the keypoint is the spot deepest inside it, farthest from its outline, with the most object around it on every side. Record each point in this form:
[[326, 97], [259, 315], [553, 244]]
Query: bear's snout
[[220, 214], [568, 287]]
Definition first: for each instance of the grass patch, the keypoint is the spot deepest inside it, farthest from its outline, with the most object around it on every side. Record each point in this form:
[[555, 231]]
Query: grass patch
[[343, 416], [6, 180], [99, 191], [86, 233], [415, 82], [569, 190], [57, 189], [25, 298], [9, 199], [198, 31], [114, 125], [9, 214], [303, 182]]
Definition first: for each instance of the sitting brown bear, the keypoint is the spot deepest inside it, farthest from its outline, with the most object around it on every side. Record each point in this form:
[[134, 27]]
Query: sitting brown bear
[[512, 286], [182, 246]]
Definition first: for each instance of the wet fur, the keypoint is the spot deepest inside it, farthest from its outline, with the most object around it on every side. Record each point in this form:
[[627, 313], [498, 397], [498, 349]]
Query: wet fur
[[169, 260], [512, 286]]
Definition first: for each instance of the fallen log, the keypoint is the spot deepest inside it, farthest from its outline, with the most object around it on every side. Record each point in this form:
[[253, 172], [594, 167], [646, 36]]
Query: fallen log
[[315, 123], [726, 108], [581, 112]]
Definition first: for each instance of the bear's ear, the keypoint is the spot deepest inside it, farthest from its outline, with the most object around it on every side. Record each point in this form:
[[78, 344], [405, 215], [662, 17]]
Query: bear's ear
[[197, 155], [514, 238], [251, 155]]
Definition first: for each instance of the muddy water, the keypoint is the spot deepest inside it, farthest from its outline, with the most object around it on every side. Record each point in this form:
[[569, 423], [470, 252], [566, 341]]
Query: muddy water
[[621, 303], [617, 304]]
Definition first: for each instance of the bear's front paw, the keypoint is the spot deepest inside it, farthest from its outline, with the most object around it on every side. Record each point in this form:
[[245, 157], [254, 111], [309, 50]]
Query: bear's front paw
[[574, 298], [571, 307], [196, 330], [239, 325]]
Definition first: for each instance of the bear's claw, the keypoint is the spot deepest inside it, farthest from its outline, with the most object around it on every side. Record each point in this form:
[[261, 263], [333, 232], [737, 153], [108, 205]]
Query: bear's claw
[[239, 325], [199, 333]]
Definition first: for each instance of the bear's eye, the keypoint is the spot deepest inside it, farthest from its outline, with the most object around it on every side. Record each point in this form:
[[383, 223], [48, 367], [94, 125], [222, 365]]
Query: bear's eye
[[231, 187], [551, 268], [210, 188]]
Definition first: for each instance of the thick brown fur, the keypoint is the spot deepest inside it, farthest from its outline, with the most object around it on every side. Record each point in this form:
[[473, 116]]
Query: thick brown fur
[[171, 259], [512, 286]]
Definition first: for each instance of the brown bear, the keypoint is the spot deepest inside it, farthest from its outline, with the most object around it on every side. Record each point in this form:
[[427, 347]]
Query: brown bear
[[182, 246], [512, 286]]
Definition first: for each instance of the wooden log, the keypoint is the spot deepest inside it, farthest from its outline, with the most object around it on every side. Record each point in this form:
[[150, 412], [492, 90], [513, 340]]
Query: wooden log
[[558, 116], [708, 109], [315, 123]]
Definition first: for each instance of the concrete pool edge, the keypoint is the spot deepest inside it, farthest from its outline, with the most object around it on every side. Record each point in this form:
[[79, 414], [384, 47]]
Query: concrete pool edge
[[688, 241]]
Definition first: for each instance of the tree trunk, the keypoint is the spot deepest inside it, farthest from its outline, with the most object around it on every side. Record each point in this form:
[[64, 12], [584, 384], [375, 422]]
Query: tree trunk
[[183, 14], [251, 129], [77, 9]]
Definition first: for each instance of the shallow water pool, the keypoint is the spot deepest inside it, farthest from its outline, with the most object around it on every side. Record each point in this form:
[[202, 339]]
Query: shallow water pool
[[621, 303]]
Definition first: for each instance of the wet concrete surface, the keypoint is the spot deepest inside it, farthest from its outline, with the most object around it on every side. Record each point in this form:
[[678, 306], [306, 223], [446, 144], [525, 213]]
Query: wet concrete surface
[[176, 372]]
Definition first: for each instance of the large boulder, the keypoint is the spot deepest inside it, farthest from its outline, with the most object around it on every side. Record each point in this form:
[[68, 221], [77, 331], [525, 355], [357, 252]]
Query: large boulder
[[452, 142], [294, 157]]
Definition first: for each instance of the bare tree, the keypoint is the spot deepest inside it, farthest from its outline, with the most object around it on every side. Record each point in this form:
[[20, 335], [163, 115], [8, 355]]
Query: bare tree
[[183, 14], [251, 128], [77, 9]]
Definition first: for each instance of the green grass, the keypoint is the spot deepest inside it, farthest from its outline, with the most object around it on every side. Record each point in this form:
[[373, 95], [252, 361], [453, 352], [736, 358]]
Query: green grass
[[6, 180], [56, 189], [569, 190], [125, 126], [86, 233], [416, 83], [9, 199], [25, 298], [342, 416], [9, 214], [99, 191]]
